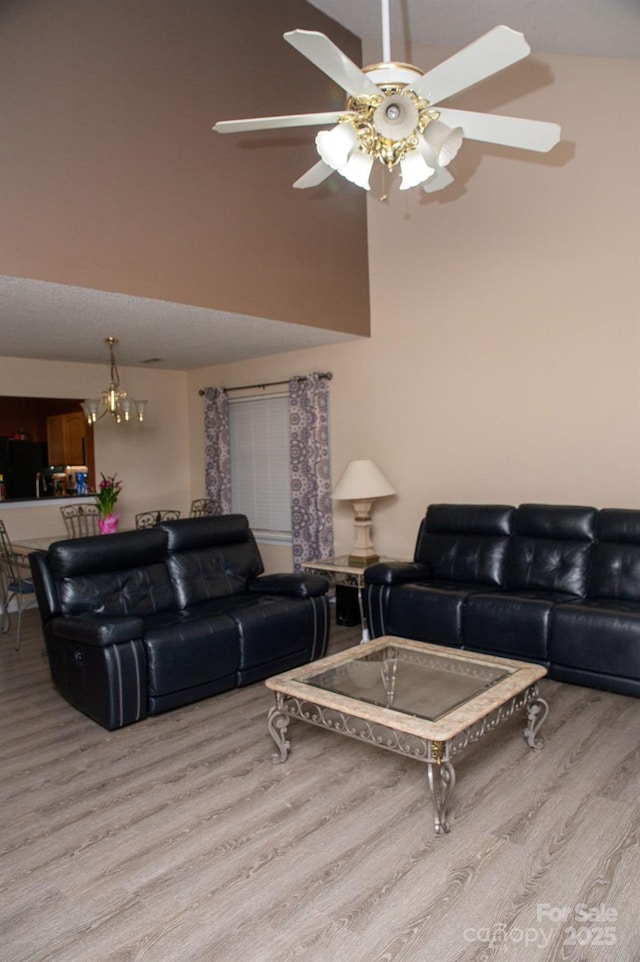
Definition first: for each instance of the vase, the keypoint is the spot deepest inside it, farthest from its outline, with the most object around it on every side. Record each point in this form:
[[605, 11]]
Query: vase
[[109, 524]]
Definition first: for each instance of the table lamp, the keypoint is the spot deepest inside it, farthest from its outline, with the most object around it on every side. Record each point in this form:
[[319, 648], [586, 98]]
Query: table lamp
[[362, 482]]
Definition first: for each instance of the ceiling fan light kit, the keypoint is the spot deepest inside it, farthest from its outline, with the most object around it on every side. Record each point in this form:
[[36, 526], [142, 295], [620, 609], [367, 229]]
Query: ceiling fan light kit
[[390, 114]]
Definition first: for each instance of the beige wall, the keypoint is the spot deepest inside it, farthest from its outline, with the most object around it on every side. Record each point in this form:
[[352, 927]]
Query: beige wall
[[112, 178], [503, 362], [151, 459]]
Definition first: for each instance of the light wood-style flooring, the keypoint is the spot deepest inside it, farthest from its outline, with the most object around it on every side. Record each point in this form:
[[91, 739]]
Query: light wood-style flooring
[[177, 840]]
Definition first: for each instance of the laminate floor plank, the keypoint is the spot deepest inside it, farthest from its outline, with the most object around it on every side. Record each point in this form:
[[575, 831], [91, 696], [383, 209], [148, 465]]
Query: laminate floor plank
[[177, 840]]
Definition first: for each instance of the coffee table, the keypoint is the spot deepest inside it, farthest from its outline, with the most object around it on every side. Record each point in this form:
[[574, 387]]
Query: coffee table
[[420, 700]]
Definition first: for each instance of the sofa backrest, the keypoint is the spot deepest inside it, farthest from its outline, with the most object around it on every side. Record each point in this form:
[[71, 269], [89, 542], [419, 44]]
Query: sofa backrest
[[615, 565], [113, 575], [550, 548], [465, 542], [210, 557]]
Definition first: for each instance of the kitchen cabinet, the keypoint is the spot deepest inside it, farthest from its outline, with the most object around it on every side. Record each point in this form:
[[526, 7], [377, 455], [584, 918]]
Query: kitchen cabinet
[[67, 438]]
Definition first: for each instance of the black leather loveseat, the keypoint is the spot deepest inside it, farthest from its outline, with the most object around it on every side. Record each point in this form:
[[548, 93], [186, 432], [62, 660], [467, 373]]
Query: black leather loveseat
[[555, 584], [140, 622]]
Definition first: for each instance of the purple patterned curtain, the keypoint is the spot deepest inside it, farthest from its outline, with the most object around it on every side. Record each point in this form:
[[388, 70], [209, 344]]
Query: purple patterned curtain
[[311, 514], [217, 449]]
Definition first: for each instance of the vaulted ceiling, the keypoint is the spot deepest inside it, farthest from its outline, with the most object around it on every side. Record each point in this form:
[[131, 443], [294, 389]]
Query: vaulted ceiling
[[56, 321]]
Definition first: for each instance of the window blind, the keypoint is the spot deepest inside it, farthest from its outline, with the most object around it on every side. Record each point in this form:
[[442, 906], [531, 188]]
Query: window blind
[[260, 482]]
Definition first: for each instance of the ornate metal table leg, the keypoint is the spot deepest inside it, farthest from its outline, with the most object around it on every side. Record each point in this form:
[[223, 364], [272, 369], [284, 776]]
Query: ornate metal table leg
[[537, 711], [277, 723], [442, 781]]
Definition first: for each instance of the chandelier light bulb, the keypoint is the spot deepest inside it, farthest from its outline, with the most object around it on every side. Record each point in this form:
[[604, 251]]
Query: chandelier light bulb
[[396, 117]]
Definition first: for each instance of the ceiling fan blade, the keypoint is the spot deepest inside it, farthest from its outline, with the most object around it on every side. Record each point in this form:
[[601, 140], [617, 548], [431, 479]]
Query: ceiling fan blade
[[315, 175], [507, 131], [332, 61], [268, 123], [492, 52], [441, 179]]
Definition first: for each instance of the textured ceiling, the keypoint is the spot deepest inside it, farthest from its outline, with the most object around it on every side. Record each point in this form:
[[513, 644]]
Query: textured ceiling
[[50, 321], [59, 323], [597, 28]]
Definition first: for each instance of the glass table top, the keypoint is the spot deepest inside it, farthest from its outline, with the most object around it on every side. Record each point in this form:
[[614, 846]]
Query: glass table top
[[421, 684]]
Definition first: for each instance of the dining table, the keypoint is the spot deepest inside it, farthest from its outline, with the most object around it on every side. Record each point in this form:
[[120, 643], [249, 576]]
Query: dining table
[[27, 545], [43, 543]]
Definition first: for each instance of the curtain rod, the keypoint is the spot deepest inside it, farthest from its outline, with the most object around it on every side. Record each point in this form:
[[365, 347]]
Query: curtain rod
[[326, 375]]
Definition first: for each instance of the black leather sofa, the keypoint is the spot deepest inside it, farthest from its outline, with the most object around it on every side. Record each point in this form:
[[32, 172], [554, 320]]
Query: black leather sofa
[[554, 584], [144, 621]]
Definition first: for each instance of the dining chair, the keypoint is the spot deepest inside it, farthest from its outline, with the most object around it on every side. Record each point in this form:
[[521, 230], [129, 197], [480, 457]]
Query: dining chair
[[201, 507], [148, 519], [81, 519], [15, 582]]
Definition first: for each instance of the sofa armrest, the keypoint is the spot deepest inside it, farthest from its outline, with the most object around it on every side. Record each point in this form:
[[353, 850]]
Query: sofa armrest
[[97, 630], [296, 585], [397, 573]]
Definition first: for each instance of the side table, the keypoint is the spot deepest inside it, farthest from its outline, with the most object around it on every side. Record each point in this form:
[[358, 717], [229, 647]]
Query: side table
[[340, 572]]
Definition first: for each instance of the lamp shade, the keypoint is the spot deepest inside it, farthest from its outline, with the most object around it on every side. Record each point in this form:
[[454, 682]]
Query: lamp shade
[[415, 170], [336, 146], [357, 169], [362, 481], [440, 143]]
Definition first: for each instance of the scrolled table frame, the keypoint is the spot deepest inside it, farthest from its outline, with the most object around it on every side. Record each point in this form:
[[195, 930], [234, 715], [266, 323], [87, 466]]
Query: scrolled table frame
[[437, 755]]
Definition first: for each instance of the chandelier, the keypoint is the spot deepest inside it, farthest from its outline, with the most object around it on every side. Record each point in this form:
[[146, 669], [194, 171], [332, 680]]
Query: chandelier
[[113, 401]]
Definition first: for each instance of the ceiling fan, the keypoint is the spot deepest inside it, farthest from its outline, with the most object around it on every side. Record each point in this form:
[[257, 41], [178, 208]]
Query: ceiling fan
[[393, 114]]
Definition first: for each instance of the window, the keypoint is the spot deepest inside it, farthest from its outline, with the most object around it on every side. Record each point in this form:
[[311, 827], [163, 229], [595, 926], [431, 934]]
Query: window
[[260, 484]]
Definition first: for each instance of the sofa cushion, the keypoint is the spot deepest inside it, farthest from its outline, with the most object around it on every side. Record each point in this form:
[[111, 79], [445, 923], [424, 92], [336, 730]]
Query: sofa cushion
[[597, 636], [290, 584], [114, 575], [428, 612], [270, 627], [550, 550], [515, 625], [188, 534], [199, 576], [211, 557], [465, 542], [187, 649], [615, 566], [137, 591], [99, 553]]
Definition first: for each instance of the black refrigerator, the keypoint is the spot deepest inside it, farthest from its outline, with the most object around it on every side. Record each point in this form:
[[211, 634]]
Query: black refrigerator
[[20, 464]]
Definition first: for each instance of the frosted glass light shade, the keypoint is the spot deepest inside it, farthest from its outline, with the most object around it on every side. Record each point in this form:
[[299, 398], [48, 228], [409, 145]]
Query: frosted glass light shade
[[362, 481], [357, 169], [396, 117], [90, 408], [440, 143], [335, 146], [126, 406], [414, 170], [140, 407]]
